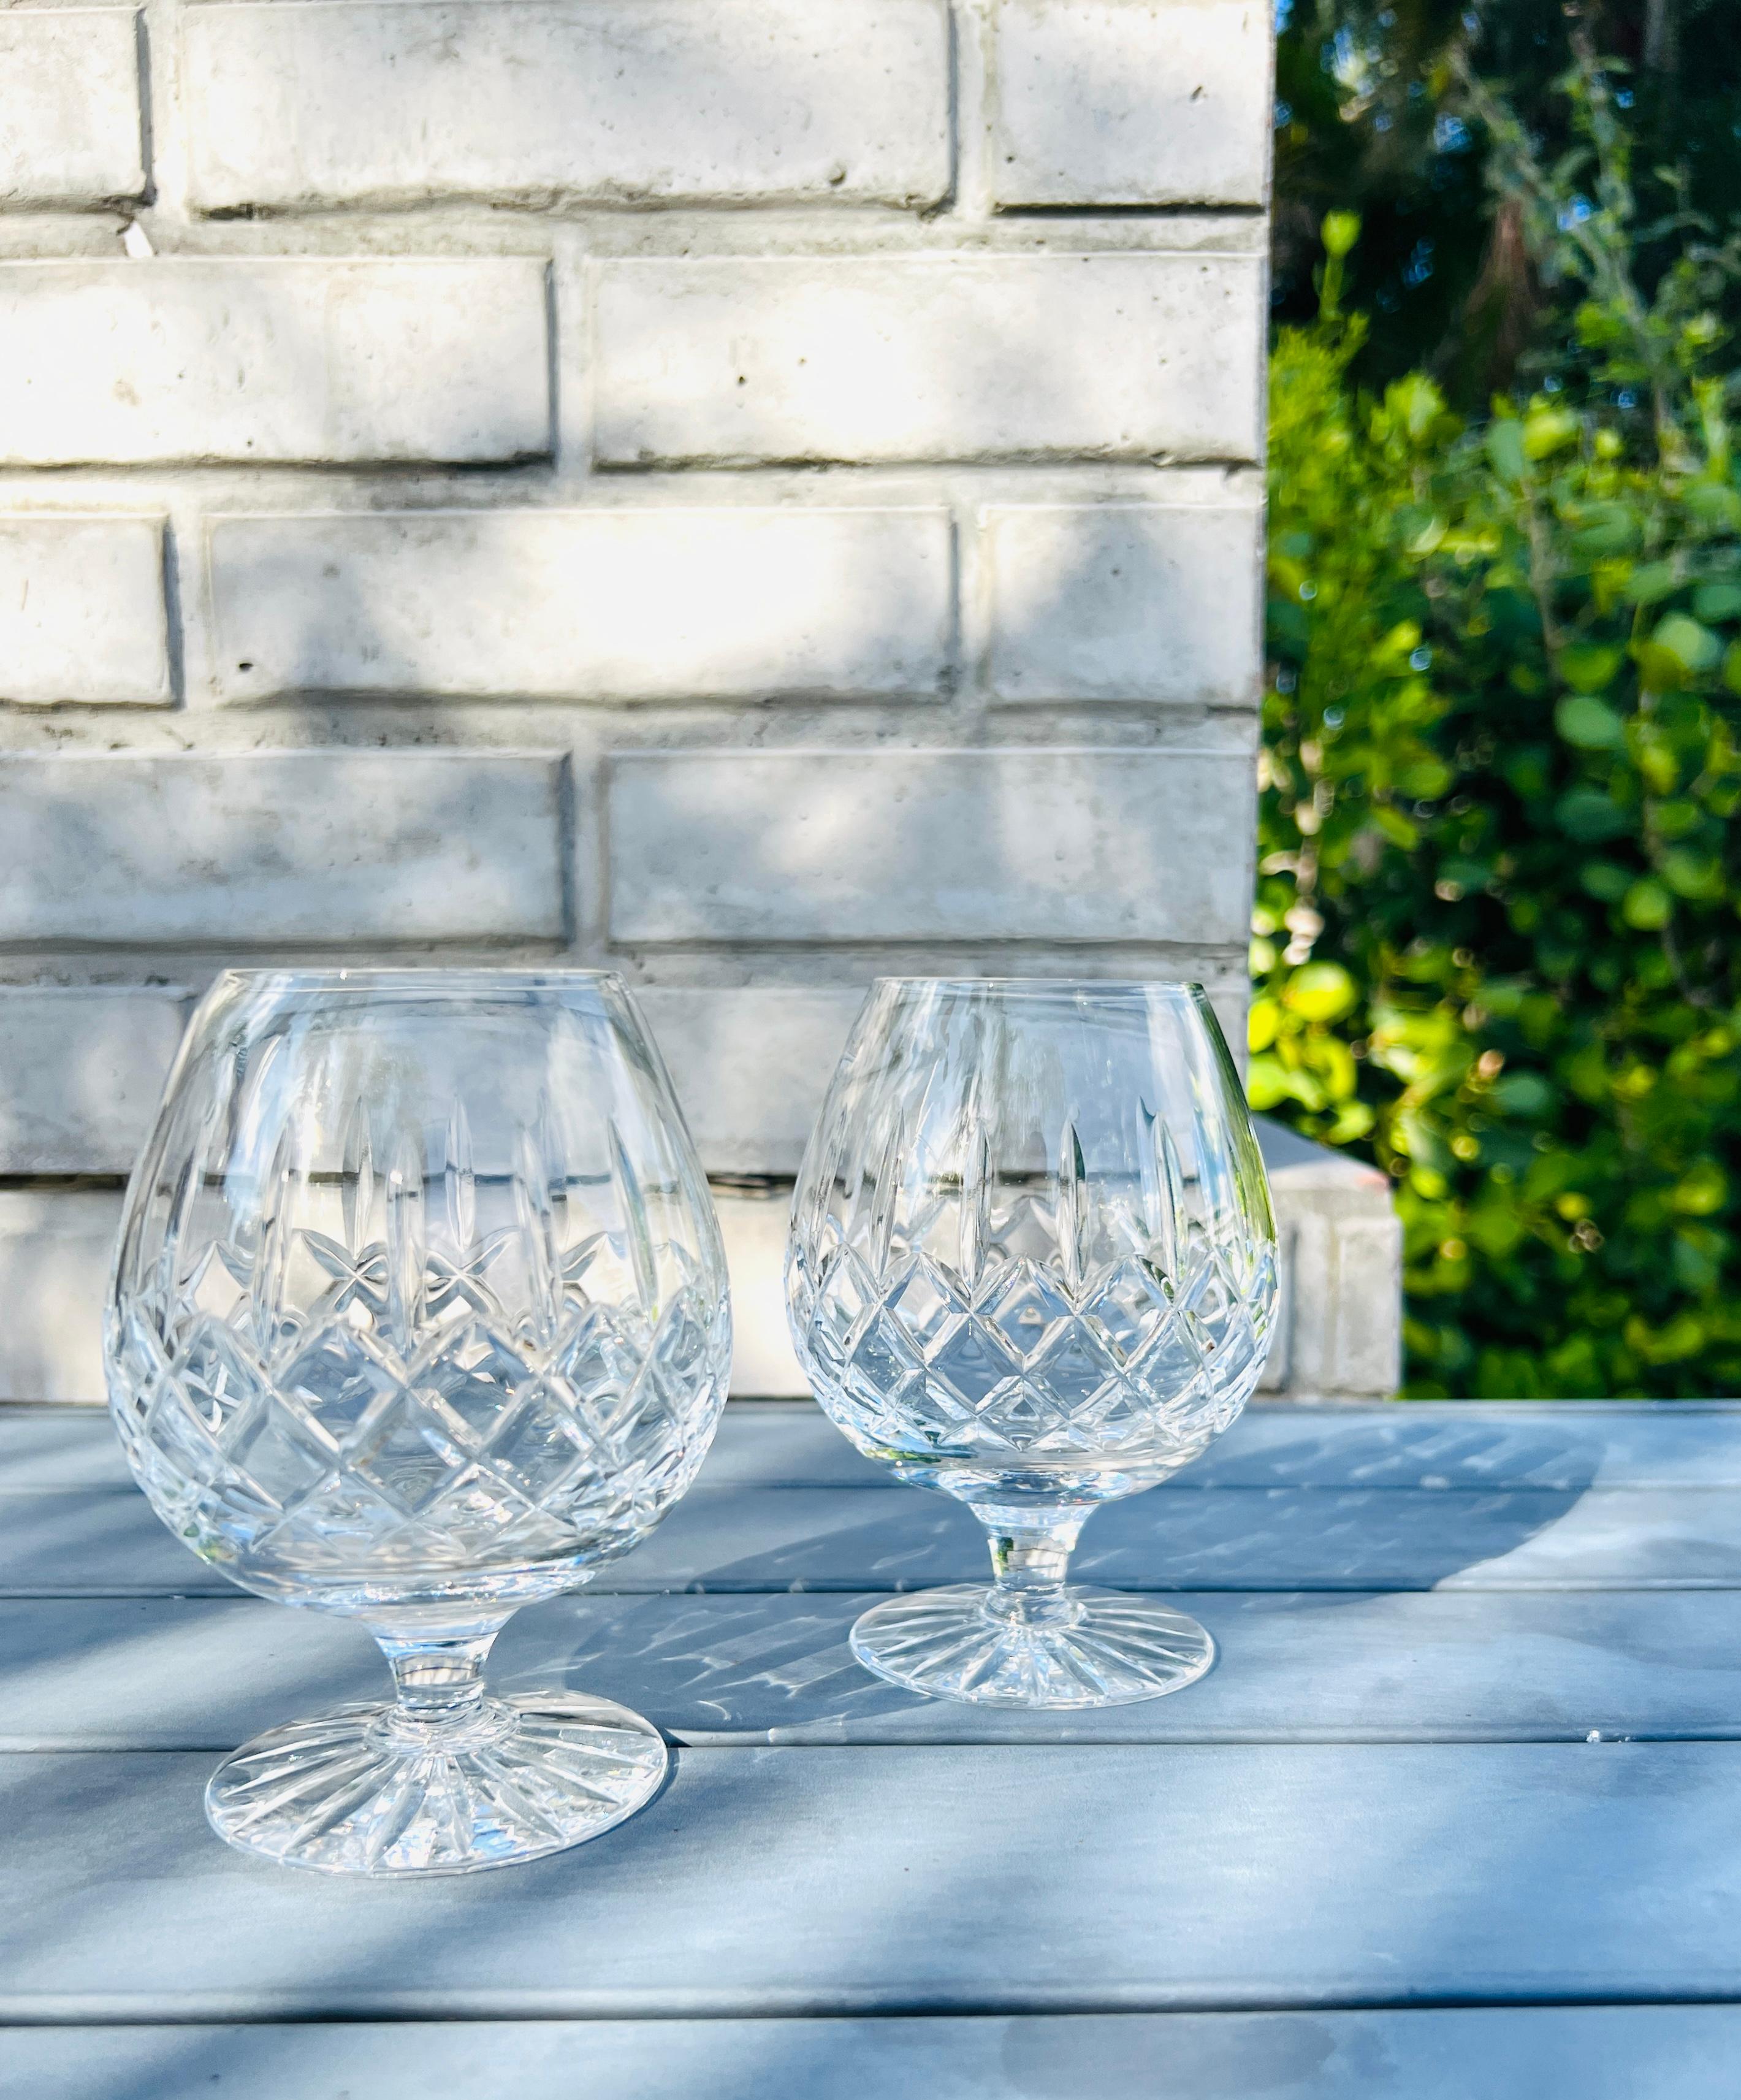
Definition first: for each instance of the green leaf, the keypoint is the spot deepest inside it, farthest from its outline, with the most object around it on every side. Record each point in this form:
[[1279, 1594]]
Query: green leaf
[[1504, 449], [1695, 648], [1546, 430], [1523, 1094], [1589, 667], [1339, 232], [1701, 1192], [1426, 779], [1647, 905], [1590, 723], [1320, 991], [1604, 881], [1717, 601], [1591, 817], [1416, 403], [1716, 508], [1608, 529], [1266, 1083], [1694, 875], [1652, 582]]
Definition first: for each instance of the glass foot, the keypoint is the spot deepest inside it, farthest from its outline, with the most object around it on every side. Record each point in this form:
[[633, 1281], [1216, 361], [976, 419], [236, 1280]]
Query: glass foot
[[362, 1790], [1093, 1648]]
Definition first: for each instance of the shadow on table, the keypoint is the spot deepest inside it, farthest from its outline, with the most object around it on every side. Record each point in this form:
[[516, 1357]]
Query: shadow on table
[[1242, 1539], [1403, 1446]]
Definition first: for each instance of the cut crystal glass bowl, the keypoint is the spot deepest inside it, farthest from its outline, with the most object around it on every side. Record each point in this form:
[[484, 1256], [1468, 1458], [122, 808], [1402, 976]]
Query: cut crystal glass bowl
[[1033, 1265], [419, 1314]]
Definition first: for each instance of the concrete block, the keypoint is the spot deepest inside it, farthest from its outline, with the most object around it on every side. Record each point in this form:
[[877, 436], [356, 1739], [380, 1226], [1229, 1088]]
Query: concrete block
[[291, 846], [936, 845], [594, 605], [69, 114], [272, 359], [1345, 1243], [1132, 102], [81, 1072], [1134, 355], [82, 609], [1125, 601], [295, 106], [56, 1247], [751, 1064]]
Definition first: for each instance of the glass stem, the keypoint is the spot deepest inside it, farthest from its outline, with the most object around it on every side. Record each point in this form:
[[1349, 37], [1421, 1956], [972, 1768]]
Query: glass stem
[[438, 1674], [1030, 1555]]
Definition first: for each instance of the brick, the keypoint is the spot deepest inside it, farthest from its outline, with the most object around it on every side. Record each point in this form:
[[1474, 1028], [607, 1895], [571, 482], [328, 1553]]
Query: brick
[[56, 1247], [297, 846], [712, 101], [81, 611], [272, 360], [69, 117], [751, 1064], [939, 845], [929, 357], [1125, 601], [80, 1075], [648, 604], [1112, 102]]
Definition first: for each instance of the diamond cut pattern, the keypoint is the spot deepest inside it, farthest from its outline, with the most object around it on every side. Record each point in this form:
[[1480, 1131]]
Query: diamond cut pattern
[[482, 1443], [1024, 1365], [992, 1196], [392, 1380]]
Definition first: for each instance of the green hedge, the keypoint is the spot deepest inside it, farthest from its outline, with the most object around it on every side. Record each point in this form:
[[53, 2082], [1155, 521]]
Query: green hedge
[[1496, 921]]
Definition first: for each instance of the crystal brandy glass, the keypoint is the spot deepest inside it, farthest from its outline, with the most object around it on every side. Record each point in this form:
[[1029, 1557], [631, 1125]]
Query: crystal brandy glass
[[419, 1314], [1033, 1264]]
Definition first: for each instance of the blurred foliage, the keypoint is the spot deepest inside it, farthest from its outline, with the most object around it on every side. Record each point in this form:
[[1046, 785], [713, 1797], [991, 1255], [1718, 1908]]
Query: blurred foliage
[[1499, 875], [1372, 116]]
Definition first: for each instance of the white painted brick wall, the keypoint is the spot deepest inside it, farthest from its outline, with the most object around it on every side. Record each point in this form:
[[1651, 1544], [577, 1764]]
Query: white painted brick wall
[[1055, 845], [646, 604], [648, 483], [55, 1251], [80, 1073], [308, 847], [81, 611], [1125, 601], [70, 126], [1129, 356], [273, 359], [750, 1063], [1132, 102], [298, 106]]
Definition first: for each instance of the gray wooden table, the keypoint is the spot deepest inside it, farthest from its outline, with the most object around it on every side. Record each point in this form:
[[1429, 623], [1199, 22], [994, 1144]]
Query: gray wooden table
[[1458, 1812]]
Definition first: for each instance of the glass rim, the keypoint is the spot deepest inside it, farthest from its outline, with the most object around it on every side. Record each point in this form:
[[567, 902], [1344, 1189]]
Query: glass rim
[[345, 977], [1175, 988]]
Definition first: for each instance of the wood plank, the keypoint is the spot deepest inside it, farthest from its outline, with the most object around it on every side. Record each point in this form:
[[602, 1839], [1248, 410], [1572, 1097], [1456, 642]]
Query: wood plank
[[1479, 1444], [728, 1539], [58, 1447], [1593, 2053], [1445, 1666], [788, 1882]]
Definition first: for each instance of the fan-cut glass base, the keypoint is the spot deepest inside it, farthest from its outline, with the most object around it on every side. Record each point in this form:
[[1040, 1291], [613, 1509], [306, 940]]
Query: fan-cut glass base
[[364, 1790], [1078, 1647]]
